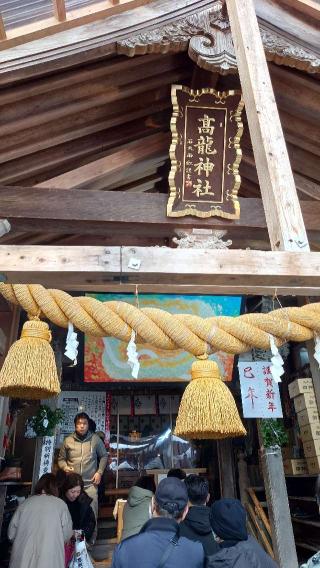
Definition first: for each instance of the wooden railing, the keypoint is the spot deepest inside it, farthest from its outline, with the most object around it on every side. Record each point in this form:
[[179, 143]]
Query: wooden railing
[[258, 521], [62, 19]]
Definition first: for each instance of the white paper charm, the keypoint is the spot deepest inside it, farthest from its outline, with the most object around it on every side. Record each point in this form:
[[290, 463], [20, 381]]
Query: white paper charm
[[277, 362], [317, 348], [132, 354], [72, 344]]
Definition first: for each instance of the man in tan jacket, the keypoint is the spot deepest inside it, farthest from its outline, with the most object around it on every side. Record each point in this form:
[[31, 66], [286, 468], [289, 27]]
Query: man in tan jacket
[[83, 452]]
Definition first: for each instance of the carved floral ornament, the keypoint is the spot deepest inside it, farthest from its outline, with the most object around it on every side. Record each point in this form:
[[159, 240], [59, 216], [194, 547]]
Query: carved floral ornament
[[207, 36]]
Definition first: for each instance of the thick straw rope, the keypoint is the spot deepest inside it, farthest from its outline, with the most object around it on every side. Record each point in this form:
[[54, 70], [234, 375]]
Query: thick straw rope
[[162, 329]]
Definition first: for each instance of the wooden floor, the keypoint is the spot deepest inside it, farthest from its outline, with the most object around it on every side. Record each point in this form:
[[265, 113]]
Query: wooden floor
[[103, 549]]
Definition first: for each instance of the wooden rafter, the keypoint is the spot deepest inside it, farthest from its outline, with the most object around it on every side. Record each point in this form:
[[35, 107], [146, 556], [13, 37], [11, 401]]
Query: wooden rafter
[[60, 10], [305, 186], [3, 34], [114, 163], [59, 23]]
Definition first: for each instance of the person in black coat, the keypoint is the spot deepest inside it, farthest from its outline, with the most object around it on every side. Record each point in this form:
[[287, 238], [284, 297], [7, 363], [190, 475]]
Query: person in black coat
[[228, 520], [196, 524], [79, 504], [159, 542]]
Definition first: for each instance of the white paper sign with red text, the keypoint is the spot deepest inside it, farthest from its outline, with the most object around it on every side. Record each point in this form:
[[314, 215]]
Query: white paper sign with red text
[[259, 391]]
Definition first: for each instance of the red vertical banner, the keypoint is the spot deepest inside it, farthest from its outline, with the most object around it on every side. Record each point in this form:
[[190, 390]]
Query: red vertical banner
[[107, 421]]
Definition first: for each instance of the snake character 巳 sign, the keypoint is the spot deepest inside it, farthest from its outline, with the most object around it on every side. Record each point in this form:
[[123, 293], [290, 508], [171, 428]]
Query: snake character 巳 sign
[[205, 153]]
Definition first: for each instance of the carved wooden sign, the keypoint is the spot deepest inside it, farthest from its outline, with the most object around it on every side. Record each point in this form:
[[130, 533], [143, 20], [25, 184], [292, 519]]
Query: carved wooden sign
[[205, 153]]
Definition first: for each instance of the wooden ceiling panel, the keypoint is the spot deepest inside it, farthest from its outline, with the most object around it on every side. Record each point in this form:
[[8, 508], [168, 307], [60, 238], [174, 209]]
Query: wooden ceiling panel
[[105, 126], [74, 117]]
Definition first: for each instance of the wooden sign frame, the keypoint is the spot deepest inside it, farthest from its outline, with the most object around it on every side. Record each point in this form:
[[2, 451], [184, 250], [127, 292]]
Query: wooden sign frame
[[215, 178]]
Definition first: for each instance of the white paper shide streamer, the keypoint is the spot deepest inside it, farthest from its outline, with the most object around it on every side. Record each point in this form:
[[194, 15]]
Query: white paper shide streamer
[[277, 362], [317, 348], [132, 354], [72, 344]]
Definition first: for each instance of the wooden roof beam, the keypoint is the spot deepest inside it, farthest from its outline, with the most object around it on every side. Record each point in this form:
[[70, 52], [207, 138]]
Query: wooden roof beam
[[307, 7], [93, 211], [68, 266]]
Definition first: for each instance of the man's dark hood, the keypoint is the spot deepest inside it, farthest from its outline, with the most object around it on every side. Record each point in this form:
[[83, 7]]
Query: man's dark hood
[[198, 520], [85, 438], [245, 554]]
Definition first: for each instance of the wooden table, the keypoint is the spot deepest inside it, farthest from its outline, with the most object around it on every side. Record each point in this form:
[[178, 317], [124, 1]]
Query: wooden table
[[117, 492]]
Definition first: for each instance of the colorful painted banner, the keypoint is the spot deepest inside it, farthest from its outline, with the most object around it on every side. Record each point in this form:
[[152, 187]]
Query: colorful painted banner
[[106, 358]]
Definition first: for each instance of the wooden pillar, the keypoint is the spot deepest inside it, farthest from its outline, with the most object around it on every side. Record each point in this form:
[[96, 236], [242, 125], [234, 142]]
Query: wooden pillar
[[3, 34], [244, 481], [36, 462], [314, 365], [52, 402], [280, 199], [59, 8], [226, 469], [10, 324], [284, 219]]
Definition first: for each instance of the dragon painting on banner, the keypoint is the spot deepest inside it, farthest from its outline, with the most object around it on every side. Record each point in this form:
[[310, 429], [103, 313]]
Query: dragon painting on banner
[[106, 358]]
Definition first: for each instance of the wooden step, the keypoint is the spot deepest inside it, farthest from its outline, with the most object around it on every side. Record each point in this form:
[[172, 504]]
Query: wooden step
[[306, 522], [307, 546], [297, 498]]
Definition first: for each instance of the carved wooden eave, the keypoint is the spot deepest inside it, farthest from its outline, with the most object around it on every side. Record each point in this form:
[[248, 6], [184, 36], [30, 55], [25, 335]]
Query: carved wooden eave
[[207, 36], [162, 26], [282, 51]]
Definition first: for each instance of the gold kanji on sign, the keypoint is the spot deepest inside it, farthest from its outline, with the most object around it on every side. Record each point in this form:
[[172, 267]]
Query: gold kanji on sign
[[206, 131]]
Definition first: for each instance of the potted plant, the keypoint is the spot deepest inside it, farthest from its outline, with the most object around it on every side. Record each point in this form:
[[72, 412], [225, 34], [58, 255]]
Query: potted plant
[[45, 421]]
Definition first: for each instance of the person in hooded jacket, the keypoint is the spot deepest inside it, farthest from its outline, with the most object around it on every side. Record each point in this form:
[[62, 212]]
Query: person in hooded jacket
[[196, 524], [83, 452], [136, 511], [159, 543], [228, 520], [40, 527]]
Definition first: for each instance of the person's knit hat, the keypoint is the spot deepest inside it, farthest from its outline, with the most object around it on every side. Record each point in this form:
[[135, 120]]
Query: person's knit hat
[[171, 495], [228, 520]]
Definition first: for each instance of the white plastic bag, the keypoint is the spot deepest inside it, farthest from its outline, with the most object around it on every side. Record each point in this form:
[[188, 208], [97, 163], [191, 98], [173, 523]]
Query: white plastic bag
[[81, 557]]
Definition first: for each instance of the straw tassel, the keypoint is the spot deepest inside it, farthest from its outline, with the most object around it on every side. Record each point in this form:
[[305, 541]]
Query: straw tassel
[[207, 409], [30, 370]]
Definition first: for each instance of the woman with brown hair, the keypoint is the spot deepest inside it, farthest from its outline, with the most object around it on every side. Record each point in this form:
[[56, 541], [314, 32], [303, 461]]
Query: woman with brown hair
[[79, 504], [40, 527]]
